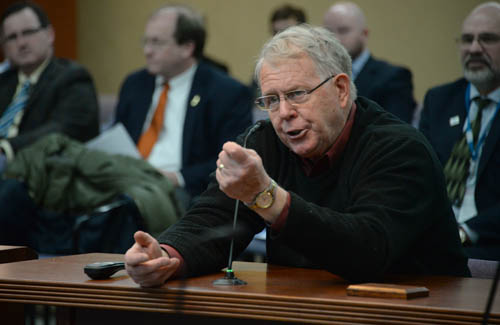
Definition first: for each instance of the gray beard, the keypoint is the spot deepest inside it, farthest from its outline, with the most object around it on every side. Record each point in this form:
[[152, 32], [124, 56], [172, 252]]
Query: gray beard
[[483, 79]]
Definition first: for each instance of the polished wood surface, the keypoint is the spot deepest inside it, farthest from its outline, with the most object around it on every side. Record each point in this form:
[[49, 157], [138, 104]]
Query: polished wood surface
[[9, 254], [273, 293], [387, 290], [16, 253]]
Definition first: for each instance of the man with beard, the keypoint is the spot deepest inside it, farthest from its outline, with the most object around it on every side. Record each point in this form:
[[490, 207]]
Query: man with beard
[[389, 85], [461, 121]]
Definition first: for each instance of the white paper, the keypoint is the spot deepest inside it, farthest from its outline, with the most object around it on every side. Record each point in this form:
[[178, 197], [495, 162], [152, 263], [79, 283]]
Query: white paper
[[115, 140]]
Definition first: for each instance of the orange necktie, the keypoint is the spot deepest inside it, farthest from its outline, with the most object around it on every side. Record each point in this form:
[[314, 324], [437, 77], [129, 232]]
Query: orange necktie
[[148, 138]]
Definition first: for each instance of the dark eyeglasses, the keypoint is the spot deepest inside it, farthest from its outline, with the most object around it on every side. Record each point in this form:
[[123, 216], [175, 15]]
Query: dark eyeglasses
[[25, 33], [294, 97], [154, 43], [484, 39]]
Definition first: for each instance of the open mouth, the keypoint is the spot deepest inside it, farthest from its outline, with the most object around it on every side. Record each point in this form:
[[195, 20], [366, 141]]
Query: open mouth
[[294, 134]]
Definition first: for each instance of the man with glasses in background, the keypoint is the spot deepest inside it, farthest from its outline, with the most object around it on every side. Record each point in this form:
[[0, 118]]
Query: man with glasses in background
[[462, 122], [338, 182], [180, 109], [40, 94]]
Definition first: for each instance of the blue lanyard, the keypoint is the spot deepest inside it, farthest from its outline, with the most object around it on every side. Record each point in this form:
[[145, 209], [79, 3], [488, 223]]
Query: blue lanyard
[[474, 151]]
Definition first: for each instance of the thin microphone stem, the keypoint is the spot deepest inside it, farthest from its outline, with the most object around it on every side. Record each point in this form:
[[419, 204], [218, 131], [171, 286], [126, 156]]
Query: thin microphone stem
[[491, 296], [230, 263], [229, 271]]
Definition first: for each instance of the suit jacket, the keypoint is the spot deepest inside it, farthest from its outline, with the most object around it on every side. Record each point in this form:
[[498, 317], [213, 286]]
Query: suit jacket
[[440, 104], [63, 100], [388, 85], [223, 111]]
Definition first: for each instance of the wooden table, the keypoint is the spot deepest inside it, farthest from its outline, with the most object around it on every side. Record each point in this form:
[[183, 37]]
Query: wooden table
[[16, 253], [273, 294]]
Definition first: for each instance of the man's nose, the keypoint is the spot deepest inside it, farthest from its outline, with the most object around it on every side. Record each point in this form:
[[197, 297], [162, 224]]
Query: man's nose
[[286, 109], [147, 50], [475, 46], [20, 40]]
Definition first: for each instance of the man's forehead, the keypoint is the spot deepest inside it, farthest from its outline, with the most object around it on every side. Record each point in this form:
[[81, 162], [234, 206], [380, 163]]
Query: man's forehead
[[289, 73], [162, 22], [21, 19], [482, 21]]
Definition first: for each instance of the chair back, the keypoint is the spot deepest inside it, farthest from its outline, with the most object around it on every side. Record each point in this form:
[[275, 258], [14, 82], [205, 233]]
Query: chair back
[[482, 268]]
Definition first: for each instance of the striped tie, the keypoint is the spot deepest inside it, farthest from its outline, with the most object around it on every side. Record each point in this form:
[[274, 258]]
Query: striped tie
[[456, 169], [10, 113]]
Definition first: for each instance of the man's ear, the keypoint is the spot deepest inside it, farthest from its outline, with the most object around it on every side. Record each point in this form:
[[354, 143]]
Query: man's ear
[[343, 85], [188, 49], [51, 34]]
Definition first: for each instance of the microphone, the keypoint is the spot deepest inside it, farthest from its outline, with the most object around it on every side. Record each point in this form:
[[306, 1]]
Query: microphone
[[229, 278]]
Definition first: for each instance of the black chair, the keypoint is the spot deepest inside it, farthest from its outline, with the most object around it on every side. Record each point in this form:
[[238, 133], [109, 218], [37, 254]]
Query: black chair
[[485, 269]]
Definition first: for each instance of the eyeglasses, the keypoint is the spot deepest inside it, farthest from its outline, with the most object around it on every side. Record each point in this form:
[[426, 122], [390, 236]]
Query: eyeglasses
[[25, 33], [484, 39], [294, 97], [154, 43]]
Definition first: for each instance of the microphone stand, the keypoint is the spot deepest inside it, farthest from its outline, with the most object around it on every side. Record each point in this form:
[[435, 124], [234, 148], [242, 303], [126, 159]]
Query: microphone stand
[[229, 277], [491, 296]]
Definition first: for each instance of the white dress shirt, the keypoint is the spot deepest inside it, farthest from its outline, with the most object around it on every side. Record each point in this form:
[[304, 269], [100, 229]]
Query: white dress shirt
[[468, 208], [167, 151]]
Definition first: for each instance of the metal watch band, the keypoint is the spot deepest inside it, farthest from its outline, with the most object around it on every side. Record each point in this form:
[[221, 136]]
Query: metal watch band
[[270, 189]]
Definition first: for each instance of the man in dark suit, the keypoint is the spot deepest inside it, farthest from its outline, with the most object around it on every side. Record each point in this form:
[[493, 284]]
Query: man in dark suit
[[389, 85], [40, 94], [450, 111], [192, 107]]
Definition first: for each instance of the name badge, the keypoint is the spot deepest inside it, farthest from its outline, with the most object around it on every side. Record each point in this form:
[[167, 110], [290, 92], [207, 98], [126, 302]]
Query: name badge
[[454, 120], [195, 101]]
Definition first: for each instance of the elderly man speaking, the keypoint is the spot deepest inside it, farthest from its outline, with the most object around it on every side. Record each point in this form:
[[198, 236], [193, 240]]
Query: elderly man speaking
[[338, 182]]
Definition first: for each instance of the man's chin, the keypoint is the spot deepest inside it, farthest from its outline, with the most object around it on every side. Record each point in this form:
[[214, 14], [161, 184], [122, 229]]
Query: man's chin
[[152, 69], [478, 75]]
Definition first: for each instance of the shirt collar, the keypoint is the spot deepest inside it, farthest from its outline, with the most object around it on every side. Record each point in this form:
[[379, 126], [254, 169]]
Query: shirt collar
[[179, 79], [33, 78], [313, 168], [359, 63], [494, 95]]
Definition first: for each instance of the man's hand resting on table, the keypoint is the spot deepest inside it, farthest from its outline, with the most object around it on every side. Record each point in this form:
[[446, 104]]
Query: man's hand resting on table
[[147, 264]]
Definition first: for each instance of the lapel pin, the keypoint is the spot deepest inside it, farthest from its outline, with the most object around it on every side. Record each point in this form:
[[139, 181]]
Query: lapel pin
[[454, 120], [195, 100]]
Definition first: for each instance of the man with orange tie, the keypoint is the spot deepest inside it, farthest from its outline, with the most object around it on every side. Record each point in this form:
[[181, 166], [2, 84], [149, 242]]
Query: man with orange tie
[[180, 110]]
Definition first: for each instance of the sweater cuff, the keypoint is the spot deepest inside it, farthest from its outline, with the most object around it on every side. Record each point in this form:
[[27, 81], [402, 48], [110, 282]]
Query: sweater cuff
[[172, 252], [281, 220]]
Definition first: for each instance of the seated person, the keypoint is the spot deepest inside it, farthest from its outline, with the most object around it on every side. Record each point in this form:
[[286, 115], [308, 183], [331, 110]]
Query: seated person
[[389, 85], [470, 105], [339, 183], [179, 109], [40, 94], [281, 18]]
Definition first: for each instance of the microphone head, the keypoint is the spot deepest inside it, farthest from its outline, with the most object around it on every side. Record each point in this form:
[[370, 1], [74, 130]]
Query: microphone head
[[254, 128]]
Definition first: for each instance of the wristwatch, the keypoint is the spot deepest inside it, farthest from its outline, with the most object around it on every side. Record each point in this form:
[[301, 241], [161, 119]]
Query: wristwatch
[[264, 199]]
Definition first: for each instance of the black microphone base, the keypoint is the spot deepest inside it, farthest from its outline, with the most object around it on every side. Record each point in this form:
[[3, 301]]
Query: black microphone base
[[228, 280]]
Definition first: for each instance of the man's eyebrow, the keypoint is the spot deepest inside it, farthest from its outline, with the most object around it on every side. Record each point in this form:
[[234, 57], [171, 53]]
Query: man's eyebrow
[[287, 90]]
